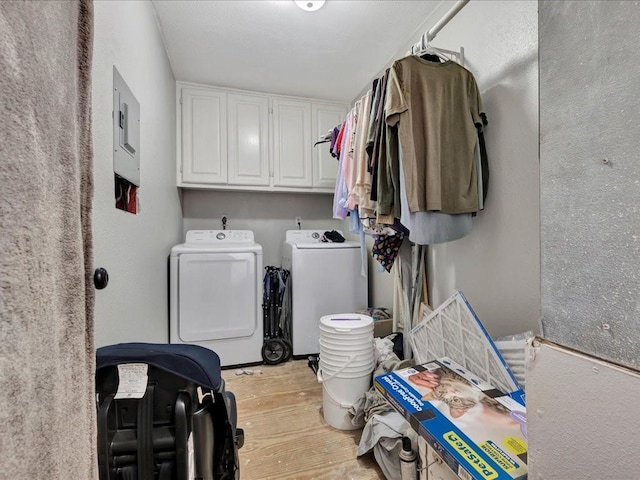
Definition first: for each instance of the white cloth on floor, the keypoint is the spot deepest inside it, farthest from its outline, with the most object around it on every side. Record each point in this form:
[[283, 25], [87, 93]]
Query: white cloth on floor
[[383, 434], [382, 349]]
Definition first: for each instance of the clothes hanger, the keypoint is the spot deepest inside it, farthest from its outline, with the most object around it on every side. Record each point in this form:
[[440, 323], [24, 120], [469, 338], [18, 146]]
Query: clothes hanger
[[426, 50], [321, 141], [325, 138]]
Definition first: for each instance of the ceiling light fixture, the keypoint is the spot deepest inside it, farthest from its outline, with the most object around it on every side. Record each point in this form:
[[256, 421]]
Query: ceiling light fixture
[[310, 6]]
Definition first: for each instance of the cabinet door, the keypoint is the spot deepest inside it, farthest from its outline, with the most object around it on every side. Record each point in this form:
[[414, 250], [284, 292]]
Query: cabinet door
[[292, 143], [324, 119], [248, 139], [204, 136]]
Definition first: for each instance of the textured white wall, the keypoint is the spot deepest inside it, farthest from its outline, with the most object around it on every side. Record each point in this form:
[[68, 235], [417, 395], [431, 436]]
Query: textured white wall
[[582, 418], [134, 248], [269, 216], [497, 265]]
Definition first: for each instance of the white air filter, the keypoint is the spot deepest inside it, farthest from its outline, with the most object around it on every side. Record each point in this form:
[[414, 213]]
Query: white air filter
[[513, 352], [453, 330]]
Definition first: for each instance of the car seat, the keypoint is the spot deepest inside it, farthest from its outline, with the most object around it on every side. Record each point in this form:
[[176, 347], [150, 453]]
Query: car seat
[[163, 414]]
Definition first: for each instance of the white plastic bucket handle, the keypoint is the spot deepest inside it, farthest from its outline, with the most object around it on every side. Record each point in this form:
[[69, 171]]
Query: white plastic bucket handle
[[338, 329], [322, 380]]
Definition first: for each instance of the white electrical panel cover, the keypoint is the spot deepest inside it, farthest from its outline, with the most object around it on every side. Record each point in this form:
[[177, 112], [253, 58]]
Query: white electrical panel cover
[[126, 131]]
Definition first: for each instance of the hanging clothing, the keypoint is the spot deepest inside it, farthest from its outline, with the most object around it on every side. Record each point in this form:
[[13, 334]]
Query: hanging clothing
[[484, 160], [478, 160], [378, 150], [388, 177], [433, 111], [341, 192], [386, 247], [376, 92], [437, 107], [430, 228], [360, 191], [333, 148]]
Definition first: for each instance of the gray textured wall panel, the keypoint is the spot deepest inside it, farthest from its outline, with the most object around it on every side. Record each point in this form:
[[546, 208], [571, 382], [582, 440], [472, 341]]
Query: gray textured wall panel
[[590, 176]]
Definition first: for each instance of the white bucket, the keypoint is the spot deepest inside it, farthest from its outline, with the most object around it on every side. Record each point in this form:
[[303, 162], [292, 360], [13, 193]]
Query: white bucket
[[352, 363], [340, 354], [345, 366], [341, 339], [330, 370], [339, 395], [340, 343]]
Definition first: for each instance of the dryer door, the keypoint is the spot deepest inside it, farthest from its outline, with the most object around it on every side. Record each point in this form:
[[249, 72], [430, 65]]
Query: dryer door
[[217, 296]]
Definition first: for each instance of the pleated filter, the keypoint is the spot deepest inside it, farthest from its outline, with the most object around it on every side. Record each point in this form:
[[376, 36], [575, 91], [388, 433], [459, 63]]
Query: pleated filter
[[513, 352], [454, 330]]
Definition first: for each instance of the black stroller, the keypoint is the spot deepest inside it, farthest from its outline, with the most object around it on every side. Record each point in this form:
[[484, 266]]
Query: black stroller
[[180, 425], [276, 315]]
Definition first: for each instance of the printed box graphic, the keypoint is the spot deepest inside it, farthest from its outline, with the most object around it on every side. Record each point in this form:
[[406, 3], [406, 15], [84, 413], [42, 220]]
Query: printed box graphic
[[479, 431]]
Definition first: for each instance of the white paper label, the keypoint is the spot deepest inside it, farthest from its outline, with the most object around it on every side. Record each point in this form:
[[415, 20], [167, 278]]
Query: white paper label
[[133, 380]]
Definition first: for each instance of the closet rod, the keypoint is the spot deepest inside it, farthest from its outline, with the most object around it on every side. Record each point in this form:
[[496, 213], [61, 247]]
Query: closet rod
[[431, 34]]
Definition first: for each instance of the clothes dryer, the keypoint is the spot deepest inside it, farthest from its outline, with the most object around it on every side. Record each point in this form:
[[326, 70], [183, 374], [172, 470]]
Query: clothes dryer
[[326, 279], [215, 294]]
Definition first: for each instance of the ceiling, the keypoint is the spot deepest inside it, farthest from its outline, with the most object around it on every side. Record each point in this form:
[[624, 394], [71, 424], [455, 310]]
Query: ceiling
[[275, 47]]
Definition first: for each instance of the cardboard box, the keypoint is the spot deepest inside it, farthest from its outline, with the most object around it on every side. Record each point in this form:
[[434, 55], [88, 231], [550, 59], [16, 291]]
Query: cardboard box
[[382, 327], [478, 431]]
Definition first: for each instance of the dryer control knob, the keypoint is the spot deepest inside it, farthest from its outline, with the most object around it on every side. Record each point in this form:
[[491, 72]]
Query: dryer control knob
[[100, 278]]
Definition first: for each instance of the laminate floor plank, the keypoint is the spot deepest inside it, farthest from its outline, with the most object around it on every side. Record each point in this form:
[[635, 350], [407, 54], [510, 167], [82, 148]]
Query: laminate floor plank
[[286, 436]]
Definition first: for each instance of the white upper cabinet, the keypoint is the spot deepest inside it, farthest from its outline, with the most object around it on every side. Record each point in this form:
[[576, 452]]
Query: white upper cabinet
[[324, 117], [291, 143], [204, 136], [239, 140], [248, 145]]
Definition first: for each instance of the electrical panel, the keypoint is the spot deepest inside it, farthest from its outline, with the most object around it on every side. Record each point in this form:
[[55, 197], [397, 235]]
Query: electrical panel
[[126, 131]]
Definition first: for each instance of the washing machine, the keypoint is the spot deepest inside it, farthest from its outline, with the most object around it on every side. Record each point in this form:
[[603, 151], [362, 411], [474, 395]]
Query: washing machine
[[326, 279], [216, 294]]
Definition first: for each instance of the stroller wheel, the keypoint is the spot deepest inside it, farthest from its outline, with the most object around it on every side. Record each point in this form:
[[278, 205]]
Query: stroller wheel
[[273, 351], [288, 350]]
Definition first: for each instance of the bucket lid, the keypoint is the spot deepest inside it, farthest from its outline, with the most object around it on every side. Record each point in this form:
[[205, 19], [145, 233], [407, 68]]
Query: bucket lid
[[346, 322], [331, 331]]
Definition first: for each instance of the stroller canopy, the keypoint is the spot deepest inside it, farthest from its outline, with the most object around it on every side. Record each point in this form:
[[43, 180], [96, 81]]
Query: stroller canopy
[[192, 362]]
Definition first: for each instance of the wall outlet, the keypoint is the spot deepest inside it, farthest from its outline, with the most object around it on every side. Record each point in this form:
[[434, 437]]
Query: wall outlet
[[223, 220], [299, 222]]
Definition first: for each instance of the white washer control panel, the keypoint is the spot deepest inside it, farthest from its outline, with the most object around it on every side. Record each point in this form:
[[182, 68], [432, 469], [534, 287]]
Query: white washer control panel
[[208, 237], [305, 236]]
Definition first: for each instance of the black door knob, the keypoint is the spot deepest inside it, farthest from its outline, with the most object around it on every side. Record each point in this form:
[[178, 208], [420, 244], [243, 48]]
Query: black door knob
[[100, 278]]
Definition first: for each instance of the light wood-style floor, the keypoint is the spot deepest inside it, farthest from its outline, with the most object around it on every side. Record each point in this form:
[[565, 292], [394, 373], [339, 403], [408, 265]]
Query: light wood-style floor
[[286, 437]]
